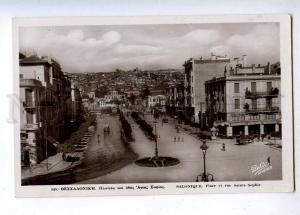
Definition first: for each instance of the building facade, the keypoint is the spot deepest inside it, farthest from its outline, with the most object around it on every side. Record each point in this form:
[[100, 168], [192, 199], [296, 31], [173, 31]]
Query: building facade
[[197, 71], [245, 100], [175, 103], [76, 103], [114, 96], [45, 107]]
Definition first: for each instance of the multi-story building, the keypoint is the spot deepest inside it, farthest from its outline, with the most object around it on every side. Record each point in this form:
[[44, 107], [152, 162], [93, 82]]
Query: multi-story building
[[175, 99], [36, 104], [92, 95], [114, 96], [101, 102], [245, 100], [31, 131], [46, 107], [156, 98], [197, 71], [76, 103]]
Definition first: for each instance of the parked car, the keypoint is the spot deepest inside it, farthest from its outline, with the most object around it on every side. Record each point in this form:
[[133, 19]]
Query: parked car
[[242, 140], [165, 120]]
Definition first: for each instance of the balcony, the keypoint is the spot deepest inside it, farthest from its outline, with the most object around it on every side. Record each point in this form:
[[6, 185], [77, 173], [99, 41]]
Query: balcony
[[263, 110], [254, 95], [32, 127], [30, 83], [29, 104], [248, 118]]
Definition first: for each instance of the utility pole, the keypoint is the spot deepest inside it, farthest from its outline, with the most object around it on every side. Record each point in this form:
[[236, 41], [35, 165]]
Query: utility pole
[[156, 146], [201, 114], [46, 143]]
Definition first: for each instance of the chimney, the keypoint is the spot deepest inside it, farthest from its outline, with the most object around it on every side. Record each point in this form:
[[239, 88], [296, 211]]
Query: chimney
[[244, 58]]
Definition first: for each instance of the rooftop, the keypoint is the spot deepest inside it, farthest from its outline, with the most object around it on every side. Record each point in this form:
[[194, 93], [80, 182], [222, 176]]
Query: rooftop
[[33, 59], [250, 76]]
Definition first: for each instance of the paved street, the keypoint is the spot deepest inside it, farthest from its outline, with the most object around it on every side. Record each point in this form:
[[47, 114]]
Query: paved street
[[107, 160], [106, 152], [102, 157], [233, 164]]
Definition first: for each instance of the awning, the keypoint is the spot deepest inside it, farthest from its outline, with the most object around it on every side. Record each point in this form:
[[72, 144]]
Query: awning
[[53, 141]]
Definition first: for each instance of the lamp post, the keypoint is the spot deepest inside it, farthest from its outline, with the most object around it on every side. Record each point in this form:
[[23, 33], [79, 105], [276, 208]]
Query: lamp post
[[155, 115], [205, 177]]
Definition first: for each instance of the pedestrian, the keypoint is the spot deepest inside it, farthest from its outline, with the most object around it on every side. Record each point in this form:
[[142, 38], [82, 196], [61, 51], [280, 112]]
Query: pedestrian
[[269, 160], [223, 147], [174, 138], [98, 138]]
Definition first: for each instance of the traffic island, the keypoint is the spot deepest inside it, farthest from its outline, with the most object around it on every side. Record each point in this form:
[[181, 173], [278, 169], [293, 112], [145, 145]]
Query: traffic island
[[157, 161]]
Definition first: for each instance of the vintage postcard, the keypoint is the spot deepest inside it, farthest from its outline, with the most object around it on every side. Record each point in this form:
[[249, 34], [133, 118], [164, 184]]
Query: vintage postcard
[[152, 105]]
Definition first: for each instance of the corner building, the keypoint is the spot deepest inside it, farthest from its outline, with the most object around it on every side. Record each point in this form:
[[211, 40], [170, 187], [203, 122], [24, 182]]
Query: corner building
[[245, 100], [47, 108]]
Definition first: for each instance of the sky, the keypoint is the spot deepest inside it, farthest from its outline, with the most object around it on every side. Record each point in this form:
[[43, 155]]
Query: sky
[[149, 47]]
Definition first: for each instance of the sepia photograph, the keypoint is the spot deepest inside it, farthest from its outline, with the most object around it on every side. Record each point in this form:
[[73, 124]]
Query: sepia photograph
[[159, 102]]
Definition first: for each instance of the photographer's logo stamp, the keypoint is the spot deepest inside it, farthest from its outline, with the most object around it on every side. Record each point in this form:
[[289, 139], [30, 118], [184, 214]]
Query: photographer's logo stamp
[[261, 168]]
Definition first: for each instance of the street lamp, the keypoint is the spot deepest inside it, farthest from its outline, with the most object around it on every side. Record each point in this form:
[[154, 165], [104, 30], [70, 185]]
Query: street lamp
[[156, 116], [204, 176]]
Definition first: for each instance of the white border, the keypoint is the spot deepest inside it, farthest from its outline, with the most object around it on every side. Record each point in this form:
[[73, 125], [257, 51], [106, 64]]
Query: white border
[[284, 185]]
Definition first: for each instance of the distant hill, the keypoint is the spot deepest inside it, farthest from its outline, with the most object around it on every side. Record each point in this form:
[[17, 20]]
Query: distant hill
[[103, 82]]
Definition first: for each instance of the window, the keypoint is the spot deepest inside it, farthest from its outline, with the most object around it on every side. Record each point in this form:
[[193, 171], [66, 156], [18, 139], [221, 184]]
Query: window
[[254, 104], [28, 97], [23, 136], [268, 103], [29, 117], [269, 86], [236, 87], [253, 87], [237, 104]]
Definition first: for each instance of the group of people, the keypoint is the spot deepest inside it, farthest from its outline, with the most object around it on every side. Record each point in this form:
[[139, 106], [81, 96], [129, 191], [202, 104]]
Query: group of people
[[106, 130], [178, 139]]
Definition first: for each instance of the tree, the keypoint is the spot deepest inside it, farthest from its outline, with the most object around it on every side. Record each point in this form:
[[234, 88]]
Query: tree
[[145, 92], [85, 96], [132, 98], [91, 100], [156, 113]]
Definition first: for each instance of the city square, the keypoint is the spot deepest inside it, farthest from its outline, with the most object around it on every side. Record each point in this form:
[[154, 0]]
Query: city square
[[233, 164], [213, 115]]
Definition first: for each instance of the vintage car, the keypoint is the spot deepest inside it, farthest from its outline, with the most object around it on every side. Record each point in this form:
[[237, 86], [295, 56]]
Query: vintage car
[[242, 140]]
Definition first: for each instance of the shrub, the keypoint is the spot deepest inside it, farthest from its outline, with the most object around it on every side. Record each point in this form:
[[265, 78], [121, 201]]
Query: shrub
[[148, 130]]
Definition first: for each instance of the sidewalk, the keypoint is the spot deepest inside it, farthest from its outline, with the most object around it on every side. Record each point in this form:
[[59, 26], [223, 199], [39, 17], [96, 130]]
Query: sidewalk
[[55, 164], [274, 143]]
